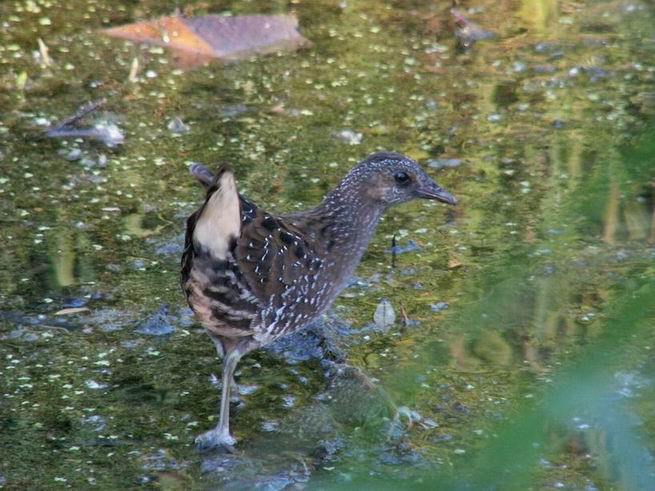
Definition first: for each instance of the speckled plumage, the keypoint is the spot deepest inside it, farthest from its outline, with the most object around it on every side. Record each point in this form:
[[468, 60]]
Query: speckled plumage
[[271, 275]]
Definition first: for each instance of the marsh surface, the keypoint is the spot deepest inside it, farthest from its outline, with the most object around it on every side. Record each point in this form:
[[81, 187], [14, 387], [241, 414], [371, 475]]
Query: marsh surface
[[522, 356]]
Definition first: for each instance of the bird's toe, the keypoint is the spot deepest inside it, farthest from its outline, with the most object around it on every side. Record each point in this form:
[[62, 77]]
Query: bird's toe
[[216, 440]]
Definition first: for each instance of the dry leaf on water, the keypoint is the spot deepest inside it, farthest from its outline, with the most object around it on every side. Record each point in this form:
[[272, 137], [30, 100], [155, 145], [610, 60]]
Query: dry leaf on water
[[454, 263], [196, 41], [71, 310]]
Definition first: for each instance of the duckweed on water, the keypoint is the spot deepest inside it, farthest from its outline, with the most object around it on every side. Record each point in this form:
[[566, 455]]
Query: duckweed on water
[[539, 374]]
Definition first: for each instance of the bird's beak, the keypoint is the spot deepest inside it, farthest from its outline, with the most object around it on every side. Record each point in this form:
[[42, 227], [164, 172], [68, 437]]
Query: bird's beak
[[433, 191]]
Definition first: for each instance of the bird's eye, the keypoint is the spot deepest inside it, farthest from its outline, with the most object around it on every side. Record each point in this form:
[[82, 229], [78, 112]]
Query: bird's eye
[[401, 178]]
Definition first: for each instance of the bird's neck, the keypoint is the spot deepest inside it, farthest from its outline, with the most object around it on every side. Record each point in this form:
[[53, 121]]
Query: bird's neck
[[352, 219]]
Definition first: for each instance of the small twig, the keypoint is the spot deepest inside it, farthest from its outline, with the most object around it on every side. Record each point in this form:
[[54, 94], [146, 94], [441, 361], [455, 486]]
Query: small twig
[[393, 252], [87, 108], [404, 314], [134, 70], [107, 133], [46, 61], [55, 328]]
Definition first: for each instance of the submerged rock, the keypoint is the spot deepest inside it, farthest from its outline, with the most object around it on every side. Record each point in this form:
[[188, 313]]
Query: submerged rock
[[109, 320], [159, 323], [95, 422], [74, 154], [159, 460], [318, 341]]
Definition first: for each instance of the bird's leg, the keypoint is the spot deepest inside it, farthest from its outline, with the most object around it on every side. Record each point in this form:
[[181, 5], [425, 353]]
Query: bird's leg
[[220, 436], [220, 350]]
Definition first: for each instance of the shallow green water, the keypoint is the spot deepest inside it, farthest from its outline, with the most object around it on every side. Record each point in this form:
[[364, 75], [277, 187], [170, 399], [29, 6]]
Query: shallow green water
[[538, 375]]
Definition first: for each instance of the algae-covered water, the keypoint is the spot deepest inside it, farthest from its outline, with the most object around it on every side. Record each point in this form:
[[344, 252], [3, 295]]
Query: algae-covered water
[[522, 352]]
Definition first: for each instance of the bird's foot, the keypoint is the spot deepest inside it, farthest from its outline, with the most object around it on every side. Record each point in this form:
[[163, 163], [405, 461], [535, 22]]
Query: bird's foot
[[218, 439]]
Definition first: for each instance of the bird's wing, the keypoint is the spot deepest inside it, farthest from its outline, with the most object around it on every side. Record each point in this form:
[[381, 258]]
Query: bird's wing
[[246, 268], [281, 266], [272, 253]]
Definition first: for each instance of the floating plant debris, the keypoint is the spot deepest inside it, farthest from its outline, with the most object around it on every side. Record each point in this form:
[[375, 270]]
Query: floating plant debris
[[196, 41], [384, 316], [467, 32], [103, 131]]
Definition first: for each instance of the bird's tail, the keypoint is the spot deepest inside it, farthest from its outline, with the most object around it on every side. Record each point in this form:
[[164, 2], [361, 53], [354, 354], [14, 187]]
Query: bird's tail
[[202, 174], [218, 223]]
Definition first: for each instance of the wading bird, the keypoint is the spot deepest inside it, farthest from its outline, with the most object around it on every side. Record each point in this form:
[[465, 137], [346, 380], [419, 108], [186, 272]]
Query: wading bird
[[252, 277]]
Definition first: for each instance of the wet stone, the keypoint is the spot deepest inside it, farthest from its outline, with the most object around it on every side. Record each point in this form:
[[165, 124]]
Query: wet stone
[[288, 401], [439, 306], [444, 163], [411, 246], [270, 426], [318, 341], [109, 320], [233, 110], [174, 246], [327, 449], [461, 408], [74, 303], [177, 126], [246, 390], [621, 255], [93, 385], [131, 343], [429, 423], [348, 136], [241, 472], [159, 460], [21, 335], [74, 154], [95, 422], [544, 69], [22, 319], [158, 324], [264, 483]]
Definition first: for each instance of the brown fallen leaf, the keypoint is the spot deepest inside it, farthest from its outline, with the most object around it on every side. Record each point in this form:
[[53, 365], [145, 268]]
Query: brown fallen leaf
[[454, 263], [277, 109], [196, 41], [72, 310]]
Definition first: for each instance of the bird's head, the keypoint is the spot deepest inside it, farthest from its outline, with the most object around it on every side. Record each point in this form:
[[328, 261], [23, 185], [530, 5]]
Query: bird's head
[[391, 178]]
